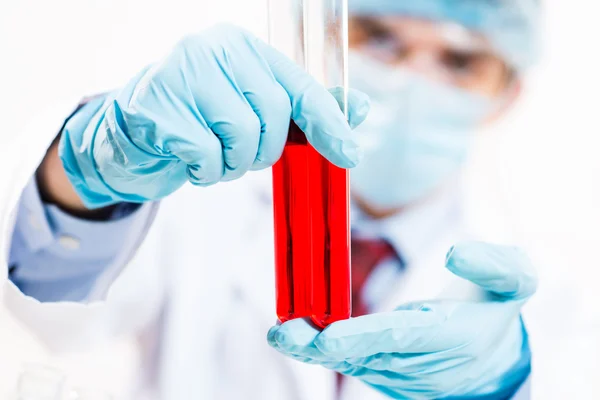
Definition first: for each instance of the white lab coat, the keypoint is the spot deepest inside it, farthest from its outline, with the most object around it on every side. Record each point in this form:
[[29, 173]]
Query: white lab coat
[[209, 254], [70, 326], [222, 300]]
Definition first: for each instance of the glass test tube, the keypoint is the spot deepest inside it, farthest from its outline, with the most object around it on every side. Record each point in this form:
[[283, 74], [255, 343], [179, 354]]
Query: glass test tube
[[311, 195]]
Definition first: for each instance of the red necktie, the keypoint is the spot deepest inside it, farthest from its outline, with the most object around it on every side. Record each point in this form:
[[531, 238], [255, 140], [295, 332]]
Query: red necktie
[[367, 254]]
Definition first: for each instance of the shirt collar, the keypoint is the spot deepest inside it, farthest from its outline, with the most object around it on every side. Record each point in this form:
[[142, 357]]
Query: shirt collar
[[412, 231]]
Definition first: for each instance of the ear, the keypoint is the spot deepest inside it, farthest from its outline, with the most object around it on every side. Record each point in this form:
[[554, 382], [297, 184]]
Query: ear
[[509, 98]]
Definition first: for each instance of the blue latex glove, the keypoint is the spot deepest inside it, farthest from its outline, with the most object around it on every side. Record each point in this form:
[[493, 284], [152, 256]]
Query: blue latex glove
[[437, 349], [216, 107]]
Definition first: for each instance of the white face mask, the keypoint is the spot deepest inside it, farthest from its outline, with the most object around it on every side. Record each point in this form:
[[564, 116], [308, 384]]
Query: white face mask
[[417, 134]]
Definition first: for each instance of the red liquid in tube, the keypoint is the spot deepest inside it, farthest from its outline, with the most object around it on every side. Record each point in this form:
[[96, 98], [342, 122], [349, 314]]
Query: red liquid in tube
[[312, 235]]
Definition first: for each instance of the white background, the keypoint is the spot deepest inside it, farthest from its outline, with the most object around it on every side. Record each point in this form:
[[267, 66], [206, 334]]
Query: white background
[[538, 171]]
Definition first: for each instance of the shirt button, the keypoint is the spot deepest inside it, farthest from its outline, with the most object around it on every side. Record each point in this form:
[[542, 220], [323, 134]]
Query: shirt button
[[34, 222], [69, 242]]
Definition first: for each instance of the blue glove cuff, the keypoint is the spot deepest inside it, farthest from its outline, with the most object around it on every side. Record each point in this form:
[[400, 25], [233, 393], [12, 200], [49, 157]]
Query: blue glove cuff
[[75, 150], [98, 123], [514, 379]]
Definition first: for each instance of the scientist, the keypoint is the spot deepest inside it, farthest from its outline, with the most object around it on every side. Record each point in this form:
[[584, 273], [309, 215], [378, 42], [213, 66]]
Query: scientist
[[91, 256]]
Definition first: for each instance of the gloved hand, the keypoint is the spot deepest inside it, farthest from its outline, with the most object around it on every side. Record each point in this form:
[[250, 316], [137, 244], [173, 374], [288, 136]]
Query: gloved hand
[[218, 106], [438, 349]]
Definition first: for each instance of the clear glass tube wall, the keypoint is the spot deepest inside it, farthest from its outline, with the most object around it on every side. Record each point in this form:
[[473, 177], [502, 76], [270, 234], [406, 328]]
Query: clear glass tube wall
[[311, 195]]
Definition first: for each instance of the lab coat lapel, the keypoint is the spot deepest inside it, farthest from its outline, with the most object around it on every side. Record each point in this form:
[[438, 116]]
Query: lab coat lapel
[[280, 378]]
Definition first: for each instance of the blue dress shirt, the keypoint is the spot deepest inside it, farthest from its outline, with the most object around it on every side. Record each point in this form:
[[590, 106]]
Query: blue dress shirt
[[57, 257]]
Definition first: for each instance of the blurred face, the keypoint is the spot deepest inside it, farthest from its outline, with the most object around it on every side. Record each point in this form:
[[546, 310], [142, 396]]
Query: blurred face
[[444, 52], [431, 85]]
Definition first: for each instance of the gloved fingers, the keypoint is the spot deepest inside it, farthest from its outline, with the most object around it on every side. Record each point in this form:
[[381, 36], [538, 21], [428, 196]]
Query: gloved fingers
[[303, 350], [435, 327], [203, 154], [388, 379], [295, 357], [412, 375], [164, 126], [297, 332], [400, 386], [215, 96], [358, 102], [501, 270], [314, 110], [273, 141], [266, 96], [296, 337], [411, 331], [407, 388], [394, 384], [414, 364], [239, 131], [331, 365], [410, 372], [274, 111]]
